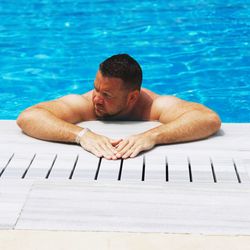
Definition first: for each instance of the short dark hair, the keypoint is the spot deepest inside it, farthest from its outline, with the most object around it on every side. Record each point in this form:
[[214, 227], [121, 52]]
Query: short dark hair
[[125, 67]]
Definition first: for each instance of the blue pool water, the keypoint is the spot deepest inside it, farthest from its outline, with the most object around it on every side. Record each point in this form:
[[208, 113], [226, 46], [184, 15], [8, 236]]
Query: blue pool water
[[198, 50]]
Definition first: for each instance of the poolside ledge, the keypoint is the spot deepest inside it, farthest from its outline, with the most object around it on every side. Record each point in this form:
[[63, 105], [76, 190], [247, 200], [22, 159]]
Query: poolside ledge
[[197, 192]]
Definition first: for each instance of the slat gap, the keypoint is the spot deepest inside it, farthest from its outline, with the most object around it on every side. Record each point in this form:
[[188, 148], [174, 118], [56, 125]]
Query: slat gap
[[167, 173], [120, 171], [143, 168], [98, 168], [190, 170], [54, 160], [236, 171], [7, 164], [213, 172], [74, 167], [26, 171]]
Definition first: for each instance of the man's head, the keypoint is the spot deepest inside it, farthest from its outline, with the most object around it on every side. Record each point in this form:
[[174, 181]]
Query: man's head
[[117, 86], [124, 67]]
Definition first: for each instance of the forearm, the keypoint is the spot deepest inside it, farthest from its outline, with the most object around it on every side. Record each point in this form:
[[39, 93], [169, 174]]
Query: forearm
[[42, 124], [190, 127]]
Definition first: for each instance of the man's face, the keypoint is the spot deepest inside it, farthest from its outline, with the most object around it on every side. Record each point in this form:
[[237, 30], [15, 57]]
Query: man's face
[[110, 98]]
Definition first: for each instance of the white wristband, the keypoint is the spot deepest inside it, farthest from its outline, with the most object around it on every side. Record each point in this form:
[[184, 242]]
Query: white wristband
[[81, 134]]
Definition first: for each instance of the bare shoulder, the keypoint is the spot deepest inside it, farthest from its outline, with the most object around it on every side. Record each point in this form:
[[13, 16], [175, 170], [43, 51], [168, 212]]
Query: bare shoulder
[[149, 94], [76, 102], [72, 108], [171, 102], [163, 104], [169, 108], [167, 100], [79, 105]]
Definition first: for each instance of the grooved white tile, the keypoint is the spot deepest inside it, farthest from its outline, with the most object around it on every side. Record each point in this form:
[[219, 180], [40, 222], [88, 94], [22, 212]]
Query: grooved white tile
[[63, 166], [86, 166], [201, 168], [155, 167], [178, 168], [224, 169], [4, 159], [132, 169], [109, 169], [243, 167], [40, 166], [17, 166]]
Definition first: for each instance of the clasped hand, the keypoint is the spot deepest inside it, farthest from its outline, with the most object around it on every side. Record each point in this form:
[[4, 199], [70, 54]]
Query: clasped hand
[[102, 146]]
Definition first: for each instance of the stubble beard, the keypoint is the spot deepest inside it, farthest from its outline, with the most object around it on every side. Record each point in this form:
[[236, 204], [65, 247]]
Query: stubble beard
[[109, 117]]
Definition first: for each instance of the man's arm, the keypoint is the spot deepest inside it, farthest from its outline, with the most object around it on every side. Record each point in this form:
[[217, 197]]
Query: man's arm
[[181, 121], [55, 121]]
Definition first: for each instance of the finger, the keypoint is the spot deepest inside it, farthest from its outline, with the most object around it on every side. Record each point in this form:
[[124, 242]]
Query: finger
[[96, 152], [122, 145], [107, 152], [129, 153], [136, 151], [115, 142], [111, 148], [92, 150], [106, 149], [125, 149]]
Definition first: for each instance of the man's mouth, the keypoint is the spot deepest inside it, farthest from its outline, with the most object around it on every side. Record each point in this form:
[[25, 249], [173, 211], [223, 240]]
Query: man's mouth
[[99, 109]]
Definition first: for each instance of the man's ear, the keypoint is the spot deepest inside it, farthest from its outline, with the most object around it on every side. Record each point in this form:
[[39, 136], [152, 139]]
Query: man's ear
[[133, 96]]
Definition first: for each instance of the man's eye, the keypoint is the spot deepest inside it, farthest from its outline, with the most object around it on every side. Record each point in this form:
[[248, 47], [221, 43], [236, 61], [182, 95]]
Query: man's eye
[[106, 95]]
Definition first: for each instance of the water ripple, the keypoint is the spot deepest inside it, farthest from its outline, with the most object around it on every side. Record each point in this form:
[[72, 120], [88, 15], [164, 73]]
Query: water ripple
[[194, 49]]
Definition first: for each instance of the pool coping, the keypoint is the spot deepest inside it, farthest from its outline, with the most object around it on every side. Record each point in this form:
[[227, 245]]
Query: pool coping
[[229, 141]]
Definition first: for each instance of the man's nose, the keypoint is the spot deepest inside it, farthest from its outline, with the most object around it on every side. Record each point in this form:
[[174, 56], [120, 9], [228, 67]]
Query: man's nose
[[98, 99]]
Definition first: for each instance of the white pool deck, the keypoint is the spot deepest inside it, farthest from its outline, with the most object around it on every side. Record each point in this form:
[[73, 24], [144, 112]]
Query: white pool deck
[[194, 195]]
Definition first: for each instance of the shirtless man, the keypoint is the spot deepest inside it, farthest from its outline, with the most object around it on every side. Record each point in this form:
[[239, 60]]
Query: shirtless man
[[117, 95]]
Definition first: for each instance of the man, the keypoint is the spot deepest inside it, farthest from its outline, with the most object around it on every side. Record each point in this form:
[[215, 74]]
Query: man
[[117, 95]]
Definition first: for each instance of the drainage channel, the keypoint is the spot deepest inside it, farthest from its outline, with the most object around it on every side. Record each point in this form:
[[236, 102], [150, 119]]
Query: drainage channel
[[166, 170]]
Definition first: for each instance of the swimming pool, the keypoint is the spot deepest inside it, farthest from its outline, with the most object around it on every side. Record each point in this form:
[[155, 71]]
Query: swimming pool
[[195, 49]]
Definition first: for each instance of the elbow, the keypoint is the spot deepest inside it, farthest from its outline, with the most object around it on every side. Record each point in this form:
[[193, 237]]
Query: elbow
[[214, 123], [21, 119], [24, 118]]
